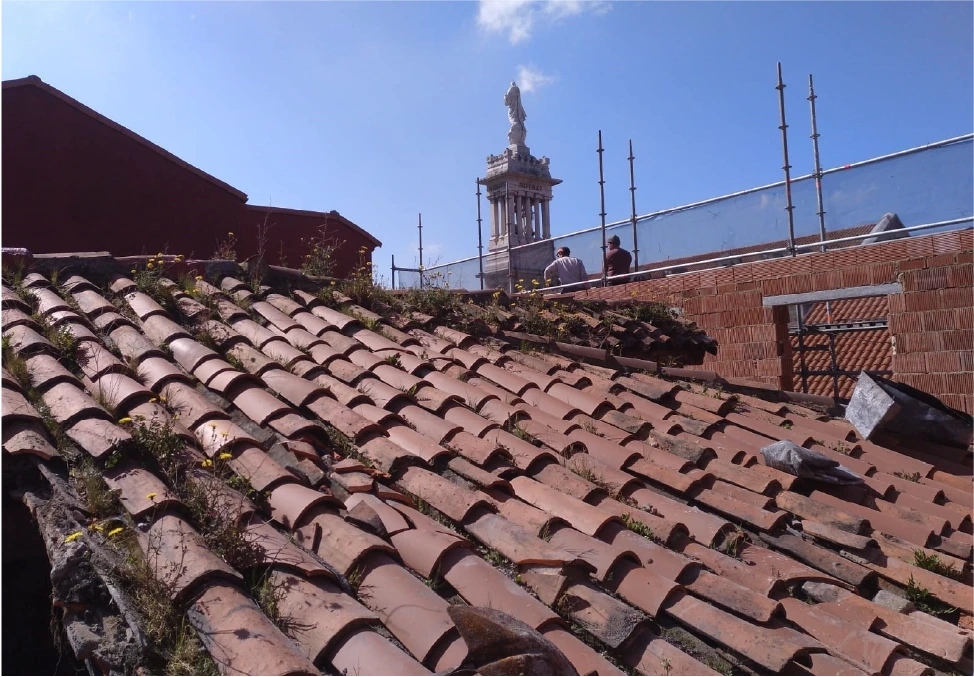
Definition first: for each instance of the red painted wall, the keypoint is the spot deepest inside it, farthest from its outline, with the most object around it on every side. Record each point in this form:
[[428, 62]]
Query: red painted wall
[[931, 323], [72, 183], [288, 227]]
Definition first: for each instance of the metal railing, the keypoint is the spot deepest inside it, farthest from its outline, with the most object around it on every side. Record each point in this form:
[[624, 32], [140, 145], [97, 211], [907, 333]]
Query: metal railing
[[593, 282], [935, 186]]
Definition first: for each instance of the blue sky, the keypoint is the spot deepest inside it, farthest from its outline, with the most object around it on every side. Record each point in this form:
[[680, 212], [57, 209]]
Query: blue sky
[[382, 110]]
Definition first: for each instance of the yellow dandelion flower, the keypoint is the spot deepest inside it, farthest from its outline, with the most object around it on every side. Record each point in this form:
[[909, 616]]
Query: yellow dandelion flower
[[123, 421], [98, 527], [162, 398], [226, 456], [72, 537], [230, 233], [150, 265], [153, 400], [150, 496], [116, 531], [133, 271], [199, 277], [207, 463]]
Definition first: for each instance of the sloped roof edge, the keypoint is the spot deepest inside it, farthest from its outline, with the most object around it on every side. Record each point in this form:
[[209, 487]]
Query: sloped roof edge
[[35, 81], [326, 215]]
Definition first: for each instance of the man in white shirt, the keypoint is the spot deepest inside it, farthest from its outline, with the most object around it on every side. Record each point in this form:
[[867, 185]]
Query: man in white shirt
[[567, 269]]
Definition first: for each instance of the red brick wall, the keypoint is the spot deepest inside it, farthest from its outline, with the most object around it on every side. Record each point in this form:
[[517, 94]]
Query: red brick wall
[[72, 183], [931, 323]]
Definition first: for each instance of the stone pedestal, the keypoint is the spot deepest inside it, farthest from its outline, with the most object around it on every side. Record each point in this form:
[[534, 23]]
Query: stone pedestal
[[527, 263], [518, 192]]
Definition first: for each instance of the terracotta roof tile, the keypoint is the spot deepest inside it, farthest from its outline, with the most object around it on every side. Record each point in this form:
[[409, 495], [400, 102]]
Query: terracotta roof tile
[[240, 638], [553, 469]]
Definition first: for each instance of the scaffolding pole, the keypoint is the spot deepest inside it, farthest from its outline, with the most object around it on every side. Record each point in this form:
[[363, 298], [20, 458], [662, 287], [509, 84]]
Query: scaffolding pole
[[821, 207], [605, 269], [393, 273], [420, 251], [632, 194], [818, 164], [480, 237], [787, 167]]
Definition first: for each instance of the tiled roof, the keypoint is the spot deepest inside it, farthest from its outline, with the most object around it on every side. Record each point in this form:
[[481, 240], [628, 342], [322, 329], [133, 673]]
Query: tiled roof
[[855, 350], [383, 473]]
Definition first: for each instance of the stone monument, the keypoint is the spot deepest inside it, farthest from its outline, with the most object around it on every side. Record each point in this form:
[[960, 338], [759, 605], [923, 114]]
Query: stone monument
[[519, 192]]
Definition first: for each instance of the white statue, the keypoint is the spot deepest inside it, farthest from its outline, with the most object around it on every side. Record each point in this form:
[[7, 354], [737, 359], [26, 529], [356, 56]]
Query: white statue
[[517, 116]]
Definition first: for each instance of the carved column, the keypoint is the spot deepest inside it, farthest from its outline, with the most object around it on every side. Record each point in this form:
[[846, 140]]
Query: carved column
[[493, 219], [546, 219], [520, 219], [538, 230], [509, 226]]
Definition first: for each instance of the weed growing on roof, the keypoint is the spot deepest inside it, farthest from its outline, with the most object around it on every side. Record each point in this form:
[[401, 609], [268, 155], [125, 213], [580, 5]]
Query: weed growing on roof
[[638, 527], [652, 312], [588, 425], [515, 428], [175, 648], [434, 582], [159, 439], [213, 515], [924, 601], [102, 501], [269, 597], [345, 447], [393, 360], [689, 644], [13, 273], [494, 557], [234, 361], [732, 543], [585, 472], [148, 280], [360, 286], [257, 265], [320, 259], [786, 424], [371, 323], [226, 249], [188, 656], [666, 665], [15, 364], [411, 390], [28, 297], [843, 449], [909, 477], [935, 564], [355, 577]]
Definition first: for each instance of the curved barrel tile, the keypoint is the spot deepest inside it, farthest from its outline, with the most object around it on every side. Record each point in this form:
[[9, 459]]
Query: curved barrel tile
[[240, 638]]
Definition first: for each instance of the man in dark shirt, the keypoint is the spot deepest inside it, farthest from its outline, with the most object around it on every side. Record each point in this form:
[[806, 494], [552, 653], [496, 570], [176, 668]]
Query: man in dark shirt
[[617, 260]]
